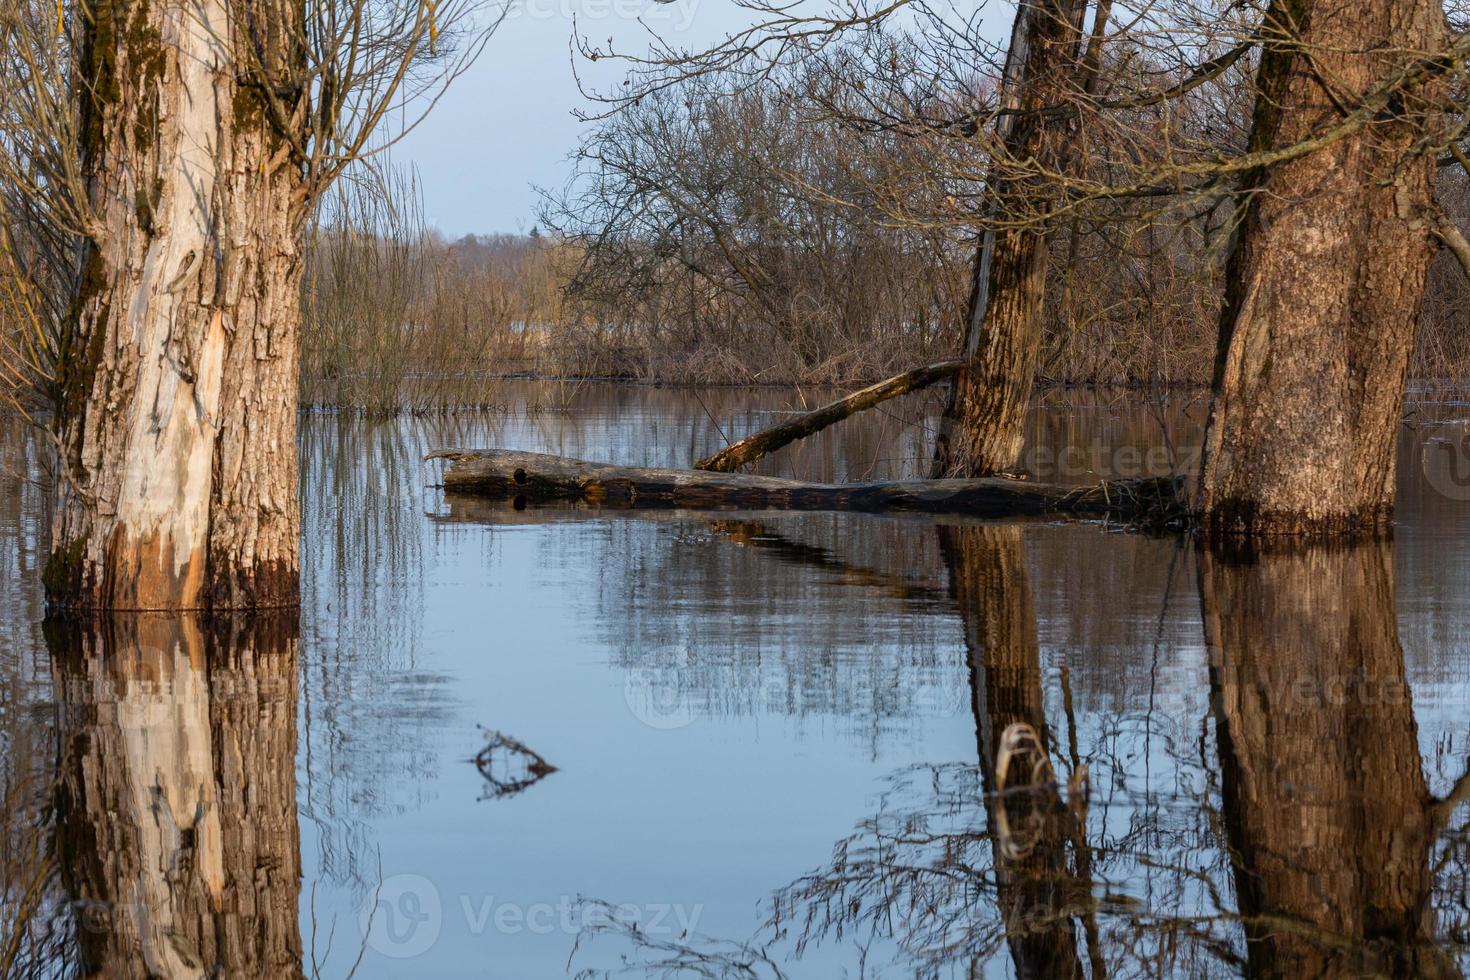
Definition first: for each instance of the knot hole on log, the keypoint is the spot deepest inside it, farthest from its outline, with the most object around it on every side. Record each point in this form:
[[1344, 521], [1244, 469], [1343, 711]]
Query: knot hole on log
[[519, 476]]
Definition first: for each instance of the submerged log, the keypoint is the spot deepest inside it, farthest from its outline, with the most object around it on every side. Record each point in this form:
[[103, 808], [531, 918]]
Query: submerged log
[[752, 448], [533, 477]]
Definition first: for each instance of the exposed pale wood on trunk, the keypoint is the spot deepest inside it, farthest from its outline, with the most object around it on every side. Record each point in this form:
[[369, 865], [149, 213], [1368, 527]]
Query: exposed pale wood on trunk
[[178, 483], [1326, 279], [533, 477], [767, 441], [1449, 233], [1327, 810], [178, 831]]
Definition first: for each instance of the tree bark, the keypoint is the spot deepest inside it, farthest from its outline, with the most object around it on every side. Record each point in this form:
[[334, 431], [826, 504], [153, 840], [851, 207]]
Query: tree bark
[[178, 839], [536, 477], [982, 428], [177, 487], [1325, 280], [753, 447], [1327, 810]]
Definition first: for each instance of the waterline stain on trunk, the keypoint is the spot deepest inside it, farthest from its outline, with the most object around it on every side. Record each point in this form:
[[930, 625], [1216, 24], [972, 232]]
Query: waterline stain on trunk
[[177, 488]]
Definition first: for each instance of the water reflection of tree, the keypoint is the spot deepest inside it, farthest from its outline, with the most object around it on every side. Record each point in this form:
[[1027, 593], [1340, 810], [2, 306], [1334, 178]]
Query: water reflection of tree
[[1327, 808], [1332, 857], [175, 809], [1038, 893], [812, 617], [980, 863], [31, 940], [365, 709]]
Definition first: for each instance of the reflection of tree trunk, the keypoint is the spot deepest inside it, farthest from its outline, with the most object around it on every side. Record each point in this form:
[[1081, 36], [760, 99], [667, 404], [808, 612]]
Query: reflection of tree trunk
[[177, 805], [1326, 804], [987, 569]]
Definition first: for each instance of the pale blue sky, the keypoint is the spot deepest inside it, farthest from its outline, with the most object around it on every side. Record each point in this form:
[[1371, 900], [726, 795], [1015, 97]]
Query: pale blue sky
[[507, 123]]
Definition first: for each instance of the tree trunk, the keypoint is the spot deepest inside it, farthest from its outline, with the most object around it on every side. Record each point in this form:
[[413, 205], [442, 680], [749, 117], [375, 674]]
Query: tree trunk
[[982, 427], [526, 478], [767, 441], [1325, 281], [177, 487], [178, 838], [1327, 810]]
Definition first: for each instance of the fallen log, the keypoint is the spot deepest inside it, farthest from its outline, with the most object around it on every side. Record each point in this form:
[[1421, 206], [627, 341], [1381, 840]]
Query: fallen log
[[535, 477], [752, 448]]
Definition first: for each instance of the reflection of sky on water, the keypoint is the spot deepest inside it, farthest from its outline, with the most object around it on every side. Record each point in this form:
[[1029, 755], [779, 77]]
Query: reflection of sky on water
[[725, 696]]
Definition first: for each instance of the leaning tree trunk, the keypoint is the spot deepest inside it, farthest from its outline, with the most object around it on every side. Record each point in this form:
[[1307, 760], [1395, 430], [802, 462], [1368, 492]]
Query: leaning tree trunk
[[177, 486], [982, 427], [1325, 282]]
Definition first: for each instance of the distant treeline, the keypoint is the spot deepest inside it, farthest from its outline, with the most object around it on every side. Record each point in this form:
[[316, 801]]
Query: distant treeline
[[719, 235], [729, 236], [399, 316]]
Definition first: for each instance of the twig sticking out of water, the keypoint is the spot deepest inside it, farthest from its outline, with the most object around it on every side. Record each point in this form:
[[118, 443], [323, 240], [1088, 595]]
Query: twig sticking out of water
[[509, 766]]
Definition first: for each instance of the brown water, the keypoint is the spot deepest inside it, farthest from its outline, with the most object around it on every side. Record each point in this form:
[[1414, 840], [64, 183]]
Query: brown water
[[775, 735]]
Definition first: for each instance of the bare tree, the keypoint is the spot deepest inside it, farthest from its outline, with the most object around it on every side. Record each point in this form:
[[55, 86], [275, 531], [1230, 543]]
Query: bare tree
[[181, 146], [1002, 342]]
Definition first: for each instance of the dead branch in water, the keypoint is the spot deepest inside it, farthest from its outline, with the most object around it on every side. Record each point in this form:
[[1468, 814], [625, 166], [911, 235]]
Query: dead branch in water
[[752, 448], [509, 766], [534, 477]]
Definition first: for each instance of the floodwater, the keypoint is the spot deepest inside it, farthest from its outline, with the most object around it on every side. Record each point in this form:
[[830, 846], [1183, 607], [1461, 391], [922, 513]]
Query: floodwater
[[802, 745]]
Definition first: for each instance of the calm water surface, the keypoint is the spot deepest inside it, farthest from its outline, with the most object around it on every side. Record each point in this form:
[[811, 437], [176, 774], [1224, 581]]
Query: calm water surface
[[776, 737]]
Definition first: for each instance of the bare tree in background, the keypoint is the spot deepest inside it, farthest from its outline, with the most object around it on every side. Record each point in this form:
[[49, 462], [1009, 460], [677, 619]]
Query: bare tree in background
[[740, 230], [180, 145]]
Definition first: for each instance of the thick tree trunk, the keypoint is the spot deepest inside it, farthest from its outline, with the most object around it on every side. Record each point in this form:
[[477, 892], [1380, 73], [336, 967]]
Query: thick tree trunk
[[1037, 894], [1325, 282], [178, 838], [1328, 813], [178, 480], [982, 427]]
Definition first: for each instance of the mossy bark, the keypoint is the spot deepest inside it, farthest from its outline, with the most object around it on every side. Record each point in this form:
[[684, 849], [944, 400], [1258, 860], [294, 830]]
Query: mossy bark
[[178, 481]]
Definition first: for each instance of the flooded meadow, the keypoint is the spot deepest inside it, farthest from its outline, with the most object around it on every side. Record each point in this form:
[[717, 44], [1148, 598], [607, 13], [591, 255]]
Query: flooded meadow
[[502, 741]]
